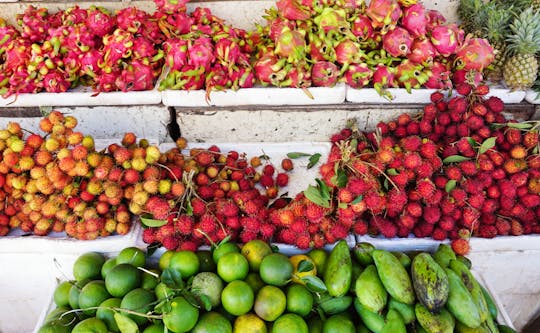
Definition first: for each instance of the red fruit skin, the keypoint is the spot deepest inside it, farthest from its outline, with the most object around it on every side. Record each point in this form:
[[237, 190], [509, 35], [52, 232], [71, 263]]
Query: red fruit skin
[[282, 179], [460, 246]]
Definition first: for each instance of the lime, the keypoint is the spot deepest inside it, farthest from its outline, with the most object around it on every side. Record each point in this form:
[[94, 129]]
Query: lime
[[237, 298], [209, 284], [185, 262], [299, 300], [150, 281], [55, 327], [212, 322], [206, 260], [165, 258], [107, 315], [224, 249], [254, 281], [74, 292], [249, 323], [138, 300], [88, 266], [61, 294], [107, 266], [155, 328], [58, 316], [319, 257], [162, 291], [270, 303], [254, 251], [182, 316], [299, 259], [338, 324], [122, 278], [276, 269], [232, 266], [90, 325], [131, 255], [289, 323], [91, 296]]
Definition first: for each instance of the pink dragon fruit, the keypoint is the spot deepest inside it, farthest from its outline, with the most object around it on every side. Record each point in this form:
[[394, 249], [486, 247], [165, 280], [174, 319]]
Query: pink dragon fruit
[[383, 76], [410, 75], [74, 15], [415, 20], [188, 78], [89, 62], [55, 81], [276, 27], [171, 6], [475, 54], [175, 53], [361, 28], [201, 53], [117, 46], [445, 40], [348, 52], [324, 74], [227, 51], [269, 69], [298, 77], [320, 49], [332, 20], [143, 48], [106, 81], [175, 24], [99, 21], [79, 37], [358, 75], [471, 77], [439, 77], [422, 52], [292, 10], [17, 54], [137, 76], [72, 65], [152, 31], [242, 77], [384, 14], [22, 82], [131, 19], [7, 34], [291, 44], [397, 42], [434, 19], [34, 23], [216, 80]]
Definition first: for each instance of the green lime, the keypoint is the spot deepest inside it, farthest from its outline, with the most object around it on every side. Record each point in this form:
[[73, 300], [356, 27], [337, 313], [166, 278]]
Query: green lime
[[249, 323], [162, 291], [182, 316], [185, 262], [107, 266], [90, 325], [206, 260], [155, 328], [88, 266], [299, 300], [91, 296], [61, 294], [223, 249], [289, 323], [270, 303], [319, 257], [150, 281], [165, 259], [255, 282], [254, 251], [209, 284], [122, 278], [338, 324], [131, 255], [237, 298], [74, 292], [232, 266], [276, 269], [105, 314], [212, 322], [138, 300]]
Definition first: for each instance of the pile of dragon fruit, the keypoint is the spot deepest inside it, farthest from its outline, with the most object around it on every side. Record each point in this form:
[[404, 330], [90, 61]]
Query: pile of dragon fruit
[[388, 43]]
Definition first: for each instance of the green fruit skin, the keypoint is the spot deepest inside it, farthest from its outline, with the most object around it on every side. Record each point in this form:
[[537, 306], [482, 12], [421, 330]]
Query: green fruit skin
[[403, 258], [505, 329], [360, 328], [492, 307], [460, 302], [54, 327], [460, 328], [430, 282], [370, 290], [338, 272], [362, 252], [405, 310], [315, 324], [444, 254], [472, 286], [434, 323], [338, 324], [393, 276], [336, 305], [373, 321], [394, 323], [466, 261]]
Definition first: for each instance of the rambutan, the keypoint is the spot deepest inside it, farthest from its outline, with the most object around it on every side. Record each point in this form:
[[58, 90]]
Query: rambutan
[[412, 160], [299, 225], [285, 217], [170, 243], [423, 229], [411, 143], [470, 217], [407, 221], [286, 236], [397, 199], [345, 195], [459, 196], [431, 214], [460, 246], [267, 230], [414, 209], [314, 213], [250, 207], [425, 188], [358, 186], [303, 241], [425, 170], [198, 206], [439, 234], [446, 223]]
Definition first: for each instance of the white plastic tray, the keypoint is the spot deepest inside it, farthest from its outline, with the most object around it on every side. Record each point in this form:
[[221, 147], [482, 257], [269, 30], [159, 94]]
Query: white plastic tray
[[83, 96], [401, 244], [255, 96], [532, 97], [420, 96]]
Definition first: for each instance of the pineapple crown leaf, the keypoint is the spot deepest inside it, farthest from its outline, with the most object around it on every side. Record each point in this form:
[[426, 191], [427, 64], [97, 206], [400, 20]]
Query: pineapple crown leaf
[[497, 22], [525, 33]]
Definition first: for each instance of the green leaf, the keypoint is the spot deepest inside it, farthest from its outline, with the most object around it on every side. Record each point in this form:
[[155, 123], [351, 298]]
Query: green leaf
[[455, 159], [314, 195], [206, 302], [150, 249], [487, 145], [354, 143], [392, 172], [342, 205], [324, 190], [275, 248], [125, 324], [385, 183], [149, 222], [163, 306], [472, 142], [172, 278], [313, 159], [357, 200], [342, 178], [314, 283], [189, 208], [519, 125], [264, 157], [305, 266], [191, 299], [294, 155], [450, 185]]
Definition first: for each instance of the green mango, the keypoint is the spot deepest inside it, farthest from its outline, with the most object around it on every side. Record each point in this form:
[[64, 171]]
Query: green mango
[[444, 254], [434, 323], [460, 301], [472, 286], [373, 321], [370, 290], [362, 252], [338, 271], [405, 310], [430, 282], [394, 323], [393, 276]]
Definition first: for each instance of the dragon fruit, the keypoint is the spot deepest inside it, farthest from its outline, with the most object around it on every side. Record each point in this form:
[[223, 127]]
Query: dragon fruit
[[439, 77], [175, 24], [22, 82], [131, 19], [269, 69], [422, 52], [204, 16], [445, 40], [291, 44], [34, 23], [152, 31], [227, 51], [106, 80], [324, 74], [361, 28], [55, 81], [471, 77], [384, 78], [216, 79], [188, 78], [415, 20], [79, 37], [298, 77], [384, 14], [17, 54], [332, 20], [276, 27], [397, 42], [171, 6], [143, 48], [117, 46], [475, 54], [175, 53], [7, 34], [358, 75], [89, 62], [320, 49], [137, 76], [410, 75], [74, 15], [99, 21], [292, 10], [434, 19], [242, 77], [201, 53], [348, 52]]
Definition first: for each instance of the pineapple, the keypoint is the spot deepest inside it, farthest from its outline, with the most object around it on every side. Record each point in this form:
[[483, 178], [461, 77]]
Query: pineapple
[[472, 16], [495, 30], [521, 67]]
